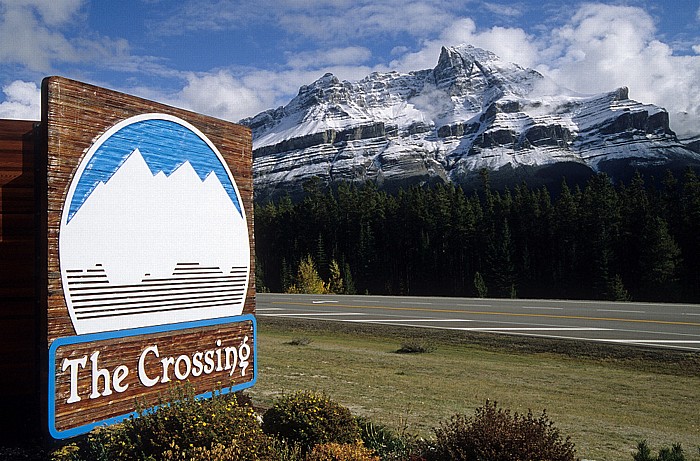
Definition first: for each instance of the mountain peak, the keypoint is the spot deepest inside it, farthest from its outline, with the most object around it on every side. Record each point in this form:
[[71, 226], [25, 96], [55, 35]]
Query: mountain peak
[[473, 110]]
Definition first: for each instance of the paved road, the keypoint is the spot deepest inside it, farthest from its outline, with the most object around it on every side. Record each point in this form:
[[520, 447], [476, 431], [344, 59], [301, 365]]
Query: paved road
[[660, 325]]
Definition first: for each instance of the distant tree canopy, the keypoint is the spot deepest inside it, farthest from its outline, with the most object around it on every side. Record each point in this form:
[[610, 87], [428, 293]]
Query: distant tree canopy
[[630, 241]]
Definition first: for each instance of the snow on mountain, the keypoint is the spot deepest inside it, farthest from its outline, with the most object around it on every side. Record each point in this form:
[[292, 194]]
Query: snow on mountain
[[471, 111], [138, 223]]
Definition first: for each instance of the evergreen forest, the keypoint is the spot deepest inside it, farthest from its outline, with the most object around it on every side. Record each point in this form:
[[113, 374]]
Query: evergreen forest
[[636, 241]]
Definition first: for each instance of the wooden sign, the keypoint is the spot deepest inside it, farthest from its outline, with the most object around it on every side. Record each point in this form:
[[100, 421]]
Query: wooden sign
[[149, 254]]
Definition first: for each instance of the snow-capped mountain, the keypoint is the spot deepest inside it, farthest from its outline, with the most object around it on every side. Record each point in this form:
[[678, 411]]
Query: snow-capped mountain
[[472, 111]]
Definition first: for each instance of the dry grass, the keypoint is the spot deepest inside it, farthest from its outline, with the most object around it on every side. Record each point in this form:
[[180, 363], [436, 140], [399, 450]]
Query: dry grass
[[607, 398]]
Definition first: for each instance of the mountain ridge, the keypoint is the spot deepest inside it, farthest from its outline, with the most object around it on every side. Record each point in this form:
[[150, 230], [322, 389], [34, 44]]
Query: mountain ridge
[[471, 111]]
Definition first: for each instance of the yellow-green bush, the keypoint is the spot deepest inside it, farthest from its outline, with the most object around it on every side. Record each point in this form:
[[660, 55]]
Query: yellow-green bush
[[341, 452], [185, 429], [310, 419]]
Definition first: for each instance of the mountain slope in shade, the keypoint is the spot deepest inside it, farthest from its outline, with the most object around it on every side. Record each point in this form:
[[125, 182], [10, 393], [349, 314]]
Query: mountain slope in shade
[[472, 111], [138, 223]]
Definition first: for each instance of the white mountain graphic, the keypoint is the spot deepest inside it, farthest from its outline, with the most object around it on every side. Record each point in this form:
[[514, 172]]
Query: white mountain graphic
[[140, 226]]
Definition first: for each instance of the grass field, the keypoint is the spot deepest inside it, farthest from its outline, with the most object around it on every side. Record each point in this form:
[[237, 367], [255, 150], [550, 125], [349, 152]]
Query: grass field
[[605, 397]]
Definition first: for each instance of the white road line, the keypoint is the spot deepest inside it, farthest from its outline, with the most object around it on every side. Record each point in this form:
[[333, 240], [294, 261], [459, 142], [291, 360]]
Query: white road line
[[411, 302], [621, 311], [405, 320], [473, 305], [655, 341], [688, 313], [312, 314], [544, 308], [323, 302], [535, 329], [265, 309]]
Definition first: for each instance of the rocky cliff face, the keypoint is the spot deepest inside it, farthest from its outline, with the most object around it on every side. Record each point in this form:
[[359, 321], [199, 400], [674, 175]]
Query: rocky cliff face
[[472, 111]]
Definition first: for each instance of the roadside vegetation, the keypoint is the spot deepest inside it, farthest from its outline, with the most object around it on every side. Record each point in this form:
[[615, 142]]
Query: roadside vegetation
[[333, 391], [307, 426], [635, 241]]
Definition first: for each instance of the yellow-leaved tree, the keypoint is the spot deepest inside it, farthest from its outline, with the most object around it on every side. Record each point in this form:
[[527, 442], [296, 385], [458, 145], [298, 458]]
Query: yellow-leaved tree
[[307, 279]]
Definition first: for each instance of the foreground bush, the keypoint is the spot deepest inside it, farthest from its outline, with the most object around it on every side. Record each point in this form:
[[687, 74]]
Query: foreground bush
[[388, 444], [309, 419], [341, 452], [674, 453], [187, 429], [493, 434]]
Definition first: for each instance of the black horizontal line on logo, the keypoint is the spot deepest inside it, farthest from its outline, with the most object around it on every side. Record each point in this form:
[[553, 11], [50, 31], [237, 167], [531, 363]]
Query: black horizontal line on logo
[[87, 276], [116, 313], [178, 268], [87, 282], [181, 278], [188, 299], [197, 270], [173, 281], [77, 303], [109, 292]]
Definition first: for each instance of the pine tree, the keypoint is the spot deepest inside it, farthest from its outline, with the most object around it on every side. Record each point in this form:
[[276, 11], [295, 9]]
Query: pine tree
[[348, 283], [659, 259], [480, 285], [335, 285]]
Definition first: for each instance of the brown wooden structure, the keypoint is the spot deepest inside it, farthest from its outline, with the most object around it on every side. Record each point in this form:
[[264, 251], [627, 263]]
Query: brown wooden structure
[[37, 163], [19, 340]]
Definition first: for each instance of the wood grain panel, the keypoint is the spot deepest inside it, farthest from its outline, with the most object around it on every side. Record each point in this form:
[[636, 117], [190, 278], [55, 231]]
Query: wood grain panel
[[74, 116], [19, 350]]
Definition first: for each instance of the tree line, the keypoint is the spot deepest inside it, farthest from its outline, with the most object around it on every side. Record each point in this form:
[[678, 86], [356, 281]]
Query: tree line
[[633, 241]]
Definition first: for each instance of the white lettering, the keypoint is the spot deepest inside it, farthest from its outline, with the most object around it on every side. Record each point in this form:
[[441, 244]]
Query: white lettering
[[231, 351], [208, 362], [73, 364], [167, 362], [188, 367], [244, 355], [143, 377], [197, 365], [119, 374], [98, 373], [218, 356]]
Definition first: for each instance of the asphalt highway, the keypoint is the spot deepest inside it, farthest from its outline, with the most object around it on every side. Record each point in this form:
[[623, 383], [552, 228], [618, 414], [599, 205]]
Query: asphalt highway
[[646, 324]]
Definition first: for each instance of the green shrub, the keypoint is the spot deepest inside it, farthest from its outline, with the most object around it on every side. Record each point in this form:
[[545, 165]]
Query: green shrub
[[675, 453], [185, 429], [387, 443], [494, 434], [310, 419], [303, 341], [413, 347], [341, 452]]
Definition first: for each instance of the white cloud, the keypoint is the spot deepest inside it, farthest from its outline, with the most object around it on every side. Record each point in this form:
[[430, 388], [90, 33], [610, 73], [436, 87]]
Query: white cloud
[[220, 95], [604, 47], [335, 56], [510, 44], [355, 20], [27, 38], [38, 35], [502, 10], [22, 101]]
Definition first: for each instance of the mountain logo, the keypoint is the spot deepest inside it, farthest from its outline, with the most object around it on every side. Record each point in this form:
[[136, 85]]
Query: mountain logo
[[153, 230]]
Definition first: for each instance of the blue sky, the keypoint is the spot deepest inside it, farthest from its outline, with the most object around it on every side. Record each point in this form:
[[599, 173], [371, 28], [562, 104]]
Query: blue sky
[[232, 59]]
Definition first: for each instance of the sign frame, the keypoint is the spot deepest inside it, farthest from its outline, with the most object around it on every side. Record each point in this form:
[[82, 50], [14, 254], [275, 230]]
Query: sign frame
[[74, 116]]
